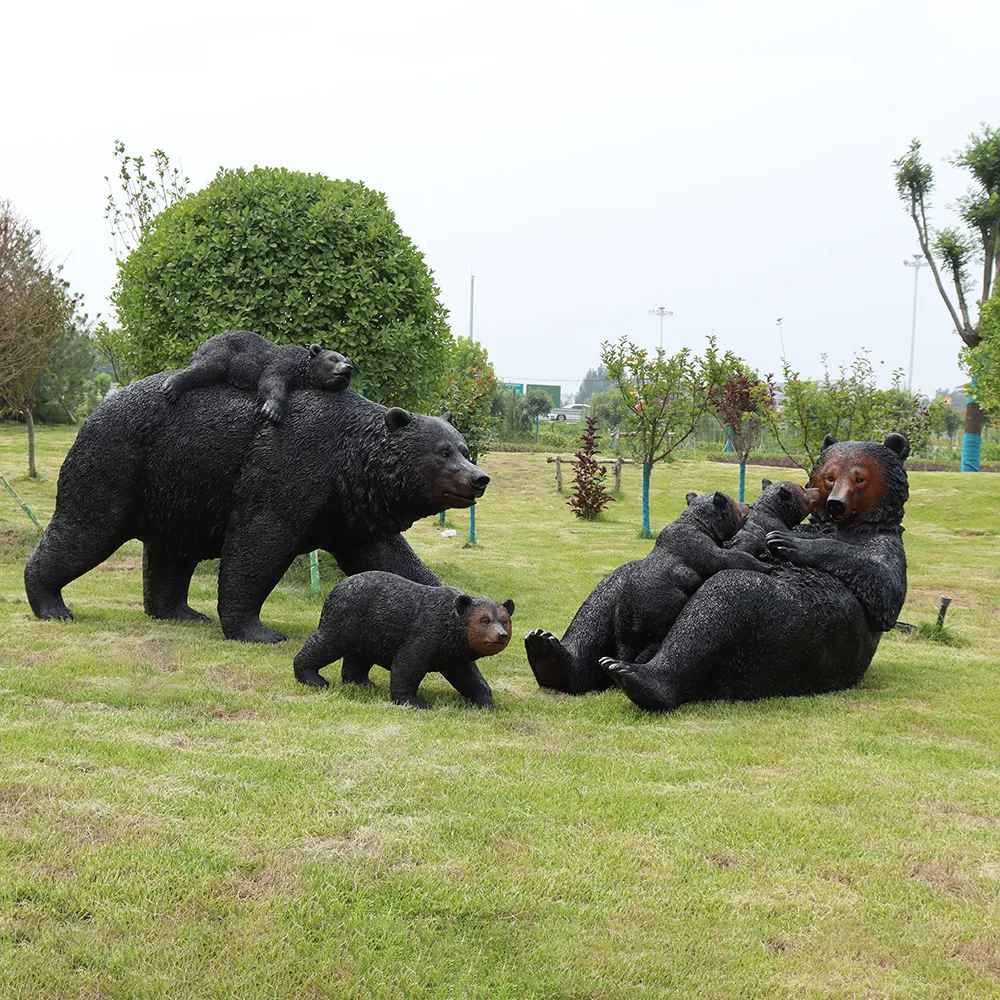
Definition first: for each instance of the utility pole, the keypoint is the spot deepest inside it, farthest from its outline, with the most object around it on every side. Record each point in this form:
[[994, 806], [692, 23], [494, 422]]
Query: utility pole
[[917, 263], [660, 311]]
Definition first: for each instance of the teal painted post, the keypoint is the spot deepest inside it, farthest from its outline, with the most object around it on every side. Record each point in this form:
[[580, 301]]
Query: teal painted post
[[729, 440], [27, 510], [314, 572], [441, 518], [972, 444], [536, 429], [743, 481], [647, 468], [472, 525]]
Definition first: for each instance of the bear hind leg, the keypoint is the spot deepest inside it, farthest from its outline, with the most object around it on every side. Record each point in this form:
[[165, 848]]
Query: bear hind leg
[[355, 669], [312, 657], [166, 578]]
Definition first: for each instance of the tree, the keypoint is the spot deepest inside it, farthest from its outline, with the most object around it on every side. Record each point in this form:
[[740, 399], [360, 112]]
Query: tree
[[71, 386], [509, 414], [34, 306], [589, 497], [953, 250], [663, 397], [609, 408], [537, 402], [983, 360], [740, 402], [296, 257], [596, 380], [469, 385], [851, 407]]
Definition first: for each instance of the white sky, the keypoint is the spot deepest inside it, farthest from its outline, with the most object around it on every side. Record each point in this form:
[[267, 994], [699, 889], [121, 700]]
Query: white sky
[[729, 160]]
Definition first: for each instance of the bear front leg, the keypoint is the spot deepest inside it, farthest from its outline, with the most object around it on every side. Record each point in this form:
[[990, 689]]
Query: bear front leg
[[390, 553], [198, 375], [255, 554], [166, 578], [467, 680], [272, 393]]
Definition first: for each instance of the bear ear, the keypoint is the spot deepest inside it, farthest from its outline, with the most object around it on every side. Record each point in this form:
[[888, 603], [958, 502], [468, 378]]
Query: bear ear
[[396, 417], [720, 499], [462, 603], [315, 349], [764, 483], [691, 497], [448, 417], [509, 605], [898, 444], [827, 441]]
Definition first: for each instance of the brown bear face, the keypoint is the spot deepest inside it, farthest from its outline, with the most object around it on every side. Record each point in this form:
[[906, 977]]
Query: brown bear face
[[489, 627], [850, 481]]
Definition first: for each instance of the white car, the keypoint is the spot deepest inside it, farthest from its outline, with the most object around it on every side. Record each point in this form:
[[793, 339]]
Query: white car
[[571, 414]]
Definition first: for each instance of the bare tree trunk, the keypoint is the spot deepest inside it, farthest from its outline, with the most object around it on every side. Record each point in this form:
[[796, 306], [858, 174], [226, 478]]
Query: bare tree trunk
[[30, 422]]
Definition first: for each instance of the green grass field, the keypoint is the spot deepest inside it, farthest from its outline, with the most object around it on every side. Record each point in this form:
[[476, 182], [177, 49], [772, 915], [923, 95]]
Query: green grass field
[[178, 818]]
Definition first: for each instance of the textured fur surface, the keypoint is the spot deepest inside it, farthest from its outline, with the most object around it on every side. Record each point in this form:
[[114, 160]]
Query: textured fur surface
[[813, 625], [410, 629], [208, 478], [249, 361], [780, 505], [630, 610]]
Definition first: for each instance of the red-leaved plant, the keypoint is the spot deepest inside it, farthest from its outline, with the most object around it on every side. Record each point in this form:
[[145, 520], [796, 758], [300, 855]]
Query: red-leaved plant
[[589, 497]]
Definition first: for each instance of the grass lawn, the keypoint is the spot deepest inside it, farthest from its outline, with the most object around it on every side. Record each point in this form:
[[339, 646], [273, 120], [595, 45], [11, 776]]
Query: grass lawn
[[178, 818]]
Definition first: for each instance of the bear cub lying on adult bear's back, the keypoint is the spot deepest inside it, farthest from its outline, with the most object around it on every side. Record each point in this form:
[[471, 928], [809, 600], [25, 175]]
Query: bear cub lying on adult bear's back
[[249, 361], [408, 628]]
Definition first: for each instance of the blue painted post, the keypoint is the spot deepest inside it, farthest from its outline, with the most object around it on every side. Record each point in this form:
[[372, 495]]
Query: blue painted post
[[743, 481], [729, 440], [972, 444], [647, 468], [536, 429], [441, 518], [472, 525]]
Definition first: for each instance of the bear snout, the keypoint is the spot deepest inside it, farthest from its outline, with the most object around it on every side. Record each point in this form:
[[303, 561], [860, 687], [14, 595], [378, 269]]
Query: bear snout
[[479, 482], [836, 507]]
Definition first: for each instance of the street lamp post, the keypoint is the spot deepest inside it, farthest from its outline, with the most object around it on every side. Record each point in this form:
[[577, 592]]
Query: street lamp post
[[660, 311], [917, 263]]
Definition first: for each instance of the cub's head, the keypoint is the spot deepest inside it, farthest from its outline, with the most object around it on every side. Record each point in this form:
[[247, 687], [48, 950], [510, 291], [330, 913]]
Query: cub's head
[[487, 624], [787, 501], [861, 481], [716, 513], [330, 370]]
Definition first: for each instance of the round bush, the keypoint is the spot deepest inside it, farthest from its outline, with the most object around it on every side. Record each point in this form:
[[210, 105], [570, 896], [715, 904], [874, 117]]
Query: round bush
[[299, 258]]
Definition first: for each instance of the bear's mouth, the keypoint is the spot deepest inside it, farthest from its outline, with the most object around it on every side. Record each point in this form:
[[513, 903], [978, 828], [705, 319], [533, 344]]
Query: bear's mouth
[[463, 499]]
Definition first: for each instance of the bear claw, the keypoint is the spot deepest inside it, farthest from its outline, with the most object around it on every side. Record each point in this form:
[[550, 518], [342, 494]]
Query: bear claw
[[547, 658]]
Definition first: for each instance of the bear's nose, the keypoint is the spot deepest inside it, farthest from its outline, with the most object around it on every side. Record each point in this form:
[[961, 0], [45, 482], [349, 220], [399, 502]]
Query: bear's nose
[[480, 481], [836, 507]]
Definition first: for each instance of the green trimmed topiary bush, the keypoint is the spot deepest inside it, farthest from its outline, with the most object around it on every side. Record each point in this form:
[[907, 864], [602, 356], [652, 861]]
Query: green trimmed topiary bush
[[298, 258]]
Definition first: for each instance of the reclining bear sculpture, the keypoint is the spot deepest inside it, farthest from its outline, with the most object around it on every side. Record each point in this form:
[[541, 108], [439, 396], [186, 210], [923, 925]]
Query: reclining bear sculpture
[[812, 625], [209, 477]]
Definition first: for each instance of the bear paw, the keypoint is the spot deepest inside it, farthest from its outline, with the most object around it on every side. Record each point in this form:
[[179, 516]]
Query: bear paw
[[170, 390], [272, 411], [549, 661]]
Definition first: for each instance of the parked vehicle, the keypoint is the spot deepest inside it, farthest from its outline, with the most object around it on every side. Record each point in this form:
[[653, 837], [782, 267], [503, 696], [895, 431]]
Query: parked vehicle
[[571, 414]]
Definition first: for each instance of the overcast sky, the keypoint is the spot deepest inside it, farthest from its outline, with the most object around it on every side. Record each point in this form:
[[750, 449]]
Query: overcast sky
[[730, 161]]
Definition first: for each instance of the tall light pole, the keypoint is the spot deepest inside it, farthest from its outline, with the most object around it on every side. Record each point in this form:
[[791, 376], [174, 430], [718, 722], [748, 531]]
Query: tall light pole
[[660, 311], [917, 263]]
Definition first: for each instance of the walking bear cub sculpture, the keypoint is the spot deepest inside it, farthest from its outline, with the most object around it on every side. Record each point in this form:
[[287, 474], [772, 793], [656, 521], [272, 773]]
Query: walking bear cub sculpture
[[248, 361], [687, 552], [408, 628]]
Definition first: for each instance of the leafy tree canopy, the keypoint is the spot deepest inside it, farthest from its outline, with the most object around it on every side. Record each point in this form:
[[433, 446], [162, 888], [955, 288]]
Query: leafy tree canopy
[[596, 380], [298, 258]]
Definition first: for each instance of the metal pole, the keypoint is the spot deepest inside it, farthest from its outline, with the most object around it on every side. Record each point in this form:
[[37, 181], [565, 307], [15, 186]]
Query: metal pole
[[472, 300], [917, 263], [660, 311]]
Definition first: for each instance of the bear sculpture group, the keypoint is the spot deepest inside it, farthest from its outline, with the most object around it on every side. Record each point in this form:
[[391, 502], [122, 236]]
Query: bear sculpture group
[[258, 453]]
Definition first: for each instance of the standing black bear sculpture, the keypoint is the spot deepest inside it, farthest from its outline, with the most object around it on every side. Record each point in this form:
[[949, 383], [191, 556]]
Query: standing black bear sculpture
[[406, 627], [249, 361], [206, 478], [812, 625]]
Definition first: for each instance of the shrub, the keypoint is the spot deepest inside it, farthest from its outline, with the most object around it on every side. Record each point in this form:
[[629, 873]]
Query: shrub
[[589, 497], [296, 257]]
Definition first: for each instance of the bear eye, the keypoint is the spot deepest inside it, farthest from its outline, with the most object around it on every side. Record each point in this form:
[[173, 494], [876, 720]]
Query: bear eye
[[484, 621], [446, 452], [831, 478], [859, 479]]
